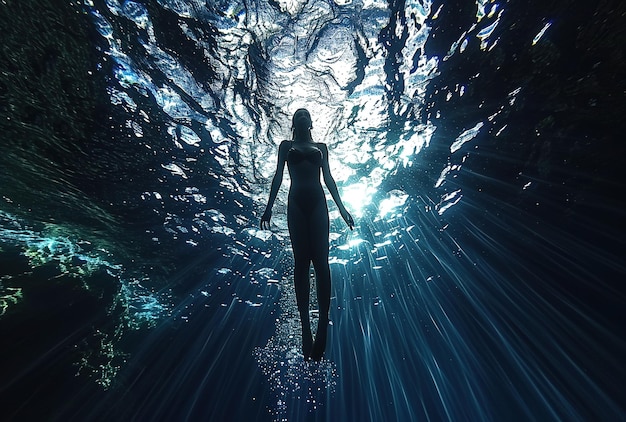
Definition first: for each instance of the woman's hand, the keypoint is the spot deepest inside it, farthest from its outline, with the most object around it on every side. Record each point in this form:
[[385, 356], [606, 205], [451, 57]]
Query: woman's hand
[[347, 218], [265, 220]]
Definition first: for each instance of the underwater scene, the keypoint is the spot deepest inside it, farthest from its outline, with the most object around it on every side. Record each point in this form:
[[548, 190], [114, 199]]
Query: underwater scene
[[478, 145]]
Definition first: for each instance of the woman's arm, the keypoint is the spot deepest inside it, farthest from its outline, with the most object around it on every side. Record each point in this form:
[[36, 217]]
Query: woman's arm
[[276, 182], [332, 187]]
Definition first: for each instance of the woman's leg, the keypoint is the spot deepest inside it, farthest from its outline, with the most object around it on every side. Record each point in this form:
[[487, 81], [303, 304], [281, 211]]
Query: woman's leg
[[298, 233], [302, 286], [322, 279], [319, 251]]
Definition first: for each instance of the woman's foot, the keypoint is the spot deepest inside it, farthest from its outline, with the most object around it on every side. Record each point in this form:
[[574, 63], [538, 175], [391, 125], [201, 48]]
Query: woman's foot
[[319, 347], [307, 344]]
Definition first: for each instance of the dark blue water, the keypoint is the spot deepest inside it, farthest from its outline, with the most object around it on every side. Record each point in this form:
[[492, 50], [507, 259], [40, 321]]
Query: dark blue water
[[478, 145]]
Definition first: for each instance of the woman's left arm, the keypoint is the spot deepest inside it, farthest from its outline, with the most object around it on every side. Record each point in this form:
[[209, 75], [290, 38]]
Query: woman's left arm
[[332, 187], [276, 182]]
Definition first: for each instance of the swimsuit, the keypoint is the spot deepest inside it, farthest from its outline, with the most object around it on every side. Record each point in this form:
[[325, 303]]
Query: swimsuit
[[307, 213]]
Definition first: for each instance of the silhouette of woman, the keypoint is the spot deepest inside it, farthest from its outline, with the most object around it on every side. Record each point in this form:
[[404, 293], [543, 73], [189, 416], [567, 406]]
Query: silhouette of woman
[[307, 218]]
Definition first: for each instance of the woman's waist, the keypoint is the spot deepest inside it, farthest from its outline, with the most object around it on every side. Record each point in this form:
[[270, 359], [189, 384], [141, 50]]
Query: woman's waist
[[306, 188]]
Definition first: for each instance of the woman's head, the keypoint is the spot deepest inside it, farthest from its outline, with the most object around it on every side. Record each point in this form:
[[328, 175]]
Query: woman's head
[[302, 125]]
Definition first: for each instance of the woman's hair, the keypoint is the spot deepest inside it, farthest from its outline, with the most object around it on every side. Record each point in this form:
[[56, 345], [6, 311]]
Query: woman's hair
[[302, 124]]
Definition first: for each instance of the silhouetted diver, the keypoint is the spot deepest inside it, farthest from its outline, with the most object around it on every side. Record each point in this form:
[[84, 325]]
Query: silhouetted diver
[[307, 217]]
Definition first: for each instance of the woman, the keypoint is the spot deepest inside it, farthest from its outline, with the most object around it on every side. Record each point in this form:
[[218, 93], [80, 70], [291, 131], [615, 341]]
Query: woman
[[307, 217]]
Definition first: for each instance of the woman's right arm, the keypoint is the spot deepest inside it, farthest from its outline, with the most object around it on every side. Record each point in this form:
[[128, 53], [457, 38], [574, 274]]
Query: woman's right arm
[[332, 187], [276, 182]]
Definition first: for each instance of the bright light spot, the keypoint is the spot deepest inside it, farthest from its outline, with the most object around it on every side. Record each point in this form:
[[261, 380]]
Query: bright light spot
[[395, 198], [351, 243], [449, 200], [540, 34], [357, 197], [465, 137]]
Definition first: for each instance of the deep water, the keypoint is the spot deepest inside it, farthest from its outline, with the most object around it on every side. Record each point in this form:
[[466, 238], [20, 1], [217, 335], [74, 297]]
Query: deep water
[[478, 144]]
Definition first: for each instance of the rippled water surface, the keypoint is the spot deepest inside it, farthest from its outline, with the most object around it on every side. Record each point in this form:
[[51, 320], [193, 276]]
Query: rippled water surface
[[477, 144]]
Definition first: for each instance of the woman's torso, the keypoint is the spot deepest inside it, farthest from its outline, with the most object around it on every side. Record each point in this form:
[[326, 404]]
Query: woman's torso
[[304, 161]]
